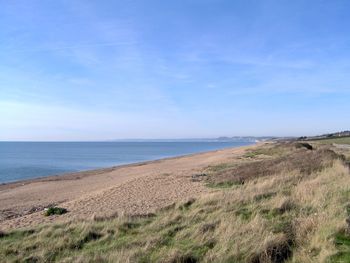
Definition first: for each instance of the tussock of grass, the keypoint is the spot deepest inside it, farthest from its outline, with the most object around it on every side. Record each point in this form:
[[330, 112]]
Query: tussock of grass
[[263, 196], [257, 222]]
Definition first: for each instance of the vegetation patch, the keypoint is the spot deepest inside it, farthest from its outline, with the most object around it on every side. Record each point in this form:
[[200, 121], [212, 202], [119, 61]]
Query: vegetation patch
[[308, 210], [341, 140], [340, 257], [220, 167], [198, 177], [208, 227], [284, 225], [342, 239], [286, 206], [244, 212], [342, 242], [252, 154], [304, 145], [223, 185], [88, 237], [54, 210], [184, 258], [269, 150], [271, 214], [187, 204], [275, 252], [264, 196], [128, 226], [304, 162], [2, 234]]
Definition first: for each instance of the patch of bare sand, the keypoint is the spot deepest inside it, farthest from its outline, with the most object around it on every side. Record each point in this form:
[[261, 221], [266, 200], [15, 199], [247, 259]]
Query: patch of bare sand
[[131, 189]]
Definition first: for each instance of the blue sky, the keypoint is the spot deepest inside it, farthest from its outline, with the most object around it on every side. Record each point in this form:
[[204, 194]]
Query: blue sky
[[95, 70]]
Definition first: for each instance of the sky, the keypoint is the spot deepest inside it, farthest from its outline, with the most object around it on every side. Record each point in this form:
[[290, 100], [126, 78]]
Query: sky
[[107, 69]]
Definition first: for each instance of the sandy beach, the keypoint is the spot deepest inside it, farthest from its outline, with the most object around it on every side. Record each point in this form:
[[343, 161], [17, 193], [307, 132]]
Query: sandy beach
[[129, 189]]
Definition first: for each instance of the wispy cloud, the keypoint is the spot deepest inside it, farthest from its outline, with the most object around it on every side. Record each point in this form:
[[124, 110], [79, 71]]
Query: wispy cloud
[[152, 69]]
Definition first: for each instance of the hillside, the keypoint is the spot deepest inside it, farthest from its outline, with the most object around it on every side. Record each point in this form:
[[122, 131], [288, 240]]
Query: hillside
[[334, 135], [279, 202]]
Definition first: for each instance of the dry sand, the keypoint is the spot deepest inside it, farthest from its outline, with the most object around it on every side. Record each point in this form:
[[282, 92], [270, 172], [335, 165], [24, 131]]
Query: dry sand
[[130, 189]]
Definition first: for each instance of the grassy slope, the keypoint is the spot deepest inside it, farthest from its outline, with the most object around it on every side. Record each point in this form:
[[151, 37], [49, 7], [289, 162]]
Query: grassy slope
[[293, 215], [343, 140]]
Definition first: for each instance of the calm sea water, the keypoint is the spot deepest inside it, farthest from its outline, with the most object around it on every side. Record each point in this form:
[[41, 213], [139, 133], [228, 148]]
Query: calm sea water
[[25, 160]]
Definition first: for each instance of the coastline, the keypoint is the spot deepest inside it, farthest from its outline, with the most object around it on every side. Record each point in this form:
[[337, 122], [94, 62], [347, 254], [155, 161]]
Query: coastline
[[135, 188], [77, 175]]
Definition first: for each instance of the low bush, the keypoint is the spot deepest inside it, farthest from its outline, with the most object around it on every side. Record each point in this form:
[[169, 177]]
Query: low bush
[[304, 145], [54, 210]]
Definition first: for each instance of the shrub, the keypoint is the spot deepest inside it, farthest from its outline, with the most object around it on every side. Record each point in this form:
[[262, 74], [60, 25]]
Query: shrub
[[304, 145], [54, 210]]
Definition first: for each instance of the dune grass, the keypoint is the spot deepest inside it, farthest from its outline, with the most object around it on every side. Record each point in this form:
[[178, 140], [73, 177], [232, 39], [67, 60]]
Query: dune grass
[[287, 216]]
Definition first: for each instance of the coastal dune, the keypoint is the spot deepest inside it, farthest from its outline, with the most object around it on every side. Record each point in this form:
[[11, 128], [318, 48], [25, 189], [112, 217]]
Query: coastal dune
[[134, 189]]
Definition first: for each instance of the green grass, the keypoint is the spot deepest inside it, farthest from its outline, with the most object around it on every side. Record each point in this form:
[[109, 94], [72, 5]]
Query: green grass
[[340, 257], [342, 241], [343, 140], [266, 151], [244, 212]]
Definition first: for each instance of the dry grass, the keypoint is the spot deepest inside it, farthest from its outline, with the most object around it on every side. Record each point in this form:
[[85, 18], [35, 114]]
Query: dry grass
[[303, 160], [294, 214]]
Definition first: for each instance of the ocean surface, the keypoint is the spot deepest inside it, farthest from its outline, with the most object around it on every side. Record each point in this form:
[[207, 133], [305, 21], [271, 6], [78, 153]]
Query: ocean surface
[[26, 160]]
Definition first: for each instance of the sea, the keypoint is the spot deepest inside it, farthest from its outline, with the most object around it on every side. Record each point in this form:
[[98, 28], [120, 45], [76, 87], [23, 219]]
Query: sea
[[27, 160]]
